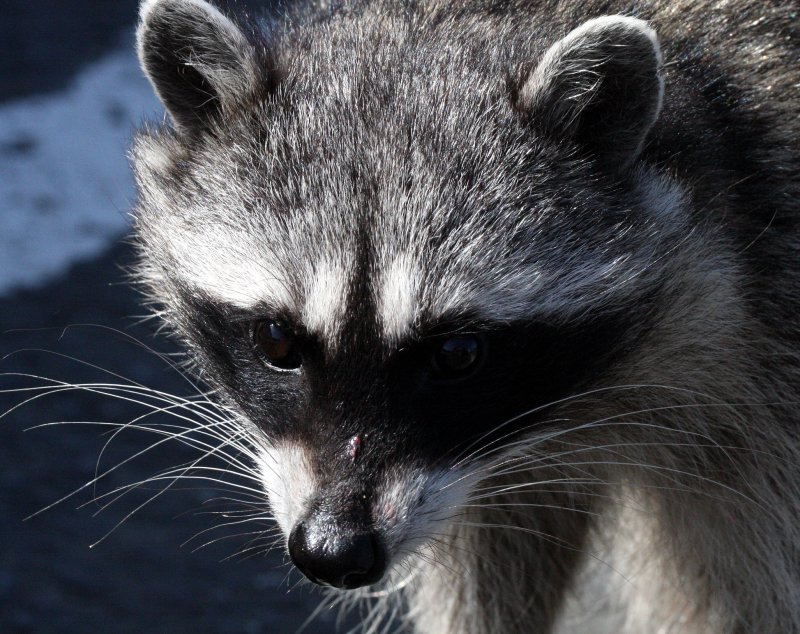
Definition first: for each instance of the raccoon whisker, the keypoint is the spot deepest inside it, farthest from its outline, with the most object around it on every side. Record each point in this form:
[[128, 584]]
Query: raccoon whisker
[[337, 599], [221, 499], [251, 509], [557, 541], [141, 506], [237, 515], [127, 381], [490, 491], [302, 581], [440, 544], [658, 469], [183, 437], [605, 422], [197, 407], [551, 491], [425, 556], [255, 547], [489, 500], [498, 489], [586, 480], [129, 384], [189, 436], [376, 616], [182, 472], [269, 529], [341, 602], [226, 537], [522, 463], [247, 553], [561, 401], [92, 482], [164, 357], [534, 489], [268, 539], [525, 505], [121, 491]]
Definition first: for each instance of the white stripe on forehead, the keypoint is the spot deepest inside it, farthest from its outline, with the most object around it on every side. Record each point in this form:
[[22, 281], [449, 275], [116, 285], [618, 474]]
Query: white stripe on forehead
[[326, 299], [398, 296], [239, 272], [231, 268]]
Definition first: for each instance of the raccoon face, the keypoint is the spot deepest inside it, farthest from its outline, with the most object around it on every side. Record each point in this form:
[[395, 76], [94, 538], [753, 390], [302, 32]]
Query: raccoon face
[[392, 260]]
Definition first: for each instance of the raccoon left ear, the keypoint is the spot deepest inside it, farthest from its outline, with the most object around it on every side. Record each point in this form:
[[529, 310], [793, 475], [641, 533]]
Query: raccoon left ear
[[199, 62], [600, 86]]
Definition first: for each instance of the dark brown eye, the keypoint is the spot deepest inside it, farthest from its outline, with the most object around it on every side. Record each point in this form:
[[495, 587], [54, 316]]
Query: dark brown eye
[[277, 343], [457, 356]]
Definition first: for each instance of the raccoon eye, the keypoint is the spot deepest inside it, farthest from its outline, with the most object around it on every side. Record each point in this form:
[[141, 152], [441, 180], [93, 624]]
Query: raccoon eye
[[457, 356], [277, 344]]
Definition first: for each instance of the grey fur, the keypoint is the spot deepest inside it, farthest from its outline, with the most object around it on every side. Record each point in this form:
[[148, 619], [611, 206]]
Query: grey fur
[[485, 182]]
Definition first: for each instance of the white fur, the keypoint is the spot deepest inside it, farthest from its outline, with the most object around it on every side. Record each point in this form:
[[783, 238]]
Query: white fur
[[325, 298], [399, 301], [413, 502], [232, 269], [289, 481]]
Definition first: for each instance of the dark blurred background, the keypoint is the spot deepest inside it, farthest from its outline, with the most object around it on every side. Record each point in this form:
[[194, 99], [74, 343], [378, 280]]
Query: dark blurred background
[[70, 96]]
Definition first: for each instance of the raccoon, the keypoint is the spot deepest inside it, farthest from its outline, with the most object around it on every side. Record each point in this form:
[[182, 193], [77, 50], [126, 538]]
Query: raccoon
[[503, 295]]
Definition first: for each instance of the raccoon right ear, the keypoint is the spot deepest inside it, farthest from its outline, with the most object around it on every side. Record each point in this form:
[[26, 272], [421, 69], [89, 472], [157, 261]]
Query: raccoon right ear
[[199, 62], [600, 86]]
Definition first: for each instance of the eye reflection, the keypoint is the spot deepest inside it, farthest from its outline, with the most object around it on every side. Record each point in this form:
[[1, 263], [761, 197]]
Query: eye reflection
[[456, 356], [277, 343]]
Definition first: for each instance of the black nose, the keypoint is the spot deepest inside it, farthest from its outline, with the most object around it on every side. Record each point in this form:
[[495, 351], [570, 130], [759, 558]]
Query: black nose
[[336, 557]]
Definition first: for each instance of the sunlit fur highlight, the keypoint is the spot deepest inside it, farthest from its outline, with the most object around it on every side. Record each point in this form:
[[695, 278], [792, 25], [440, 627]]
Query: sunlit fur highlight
[[669, 487]]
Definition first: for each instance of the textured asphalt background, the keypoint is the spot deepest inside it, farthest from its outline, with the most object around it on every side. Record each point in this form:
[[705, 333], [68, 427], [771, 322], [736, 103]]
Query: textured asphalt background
[[139, 579]]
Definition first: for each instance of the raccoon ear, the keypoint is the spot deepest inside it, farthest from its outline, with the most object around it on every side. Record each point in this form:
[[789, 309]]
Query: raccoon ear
[[600, 86], [199, 62]]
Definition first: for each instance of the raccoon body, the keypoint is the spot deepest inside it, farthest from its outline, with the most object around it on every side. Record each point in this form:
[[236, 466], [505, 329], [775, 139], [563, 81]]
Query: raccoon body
[[503, 295]]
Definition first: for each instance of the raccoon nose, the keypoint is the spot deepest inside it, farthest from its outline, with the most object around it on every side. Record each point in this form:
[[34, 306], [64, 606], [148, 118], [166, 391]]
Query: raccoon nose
[[332, 558]]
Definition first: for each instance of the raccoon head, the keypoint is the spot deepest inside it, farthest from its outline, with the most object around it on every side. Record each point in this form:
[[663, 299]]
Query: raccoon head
[[397, 247]]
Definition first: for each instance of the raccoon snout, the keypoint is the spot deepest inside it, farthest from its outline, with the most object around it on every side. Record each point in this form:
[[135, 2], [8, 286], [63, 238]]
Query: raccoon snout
[[336, 557]]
